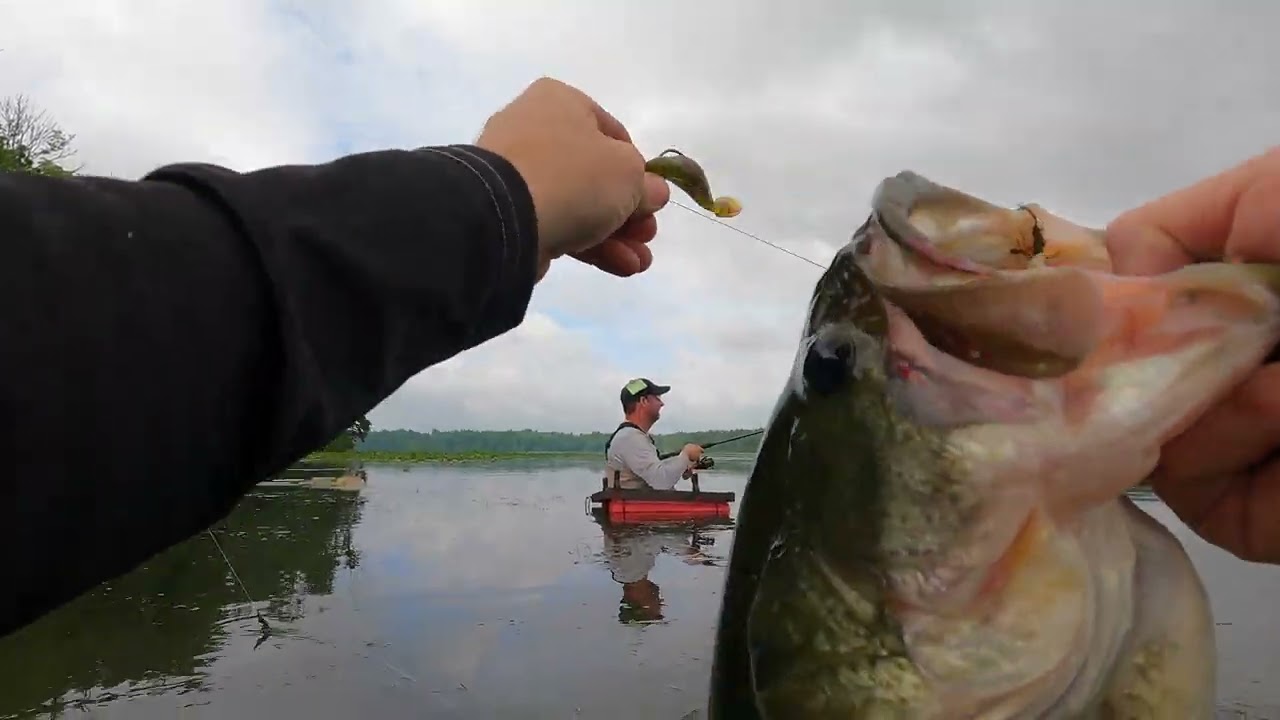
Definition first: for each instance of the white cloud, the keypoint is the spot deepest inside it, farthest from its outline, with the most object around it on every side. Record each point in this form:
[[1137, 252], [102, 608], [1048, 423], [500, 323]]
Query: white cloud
[[797, 109], [145, 82], [526, 378]]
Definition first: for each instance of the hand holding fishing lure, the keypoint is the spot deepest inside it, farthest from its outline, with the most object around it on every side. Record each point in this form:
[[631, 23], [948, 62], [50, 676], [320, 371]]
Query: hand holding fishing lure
[[592, 191]]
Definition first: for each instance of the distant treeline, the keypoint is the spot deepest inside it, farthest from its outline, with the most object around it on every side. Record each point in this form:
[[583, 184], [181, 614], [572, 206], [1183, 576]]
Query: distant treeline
[[526, 441]]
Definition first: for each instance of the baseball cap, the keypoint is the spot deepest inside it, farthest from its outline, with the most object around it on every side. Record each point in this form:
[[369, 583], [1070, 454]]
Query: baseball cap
[[640, 387]]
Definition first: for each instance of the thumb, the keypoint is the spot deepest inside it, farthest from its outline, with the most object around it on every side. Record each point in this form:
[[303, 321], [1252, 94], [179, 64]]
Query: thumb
[[657, 193], [623, 170], [1137, 247], [1202, 221], [1255, 225]]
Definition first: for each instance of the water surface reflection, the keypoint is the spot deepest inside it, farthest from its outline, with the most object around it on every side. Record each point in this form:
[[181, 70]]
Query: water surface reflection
[[631, 552], [452, 592]]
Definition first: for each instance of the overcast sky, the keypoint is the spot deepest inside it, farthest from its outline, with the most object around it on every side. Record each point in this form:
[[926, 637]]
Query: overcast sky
[[797, 108]]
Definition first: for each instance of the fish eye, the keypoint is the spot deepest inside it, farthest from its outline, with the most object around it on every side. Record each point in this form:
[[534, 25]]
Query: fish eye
[[828, 363]]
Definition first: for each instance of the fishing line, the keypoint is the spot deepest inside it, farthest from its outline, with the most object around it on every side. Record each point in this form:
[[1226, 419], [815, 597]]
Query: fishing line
[[266, 629], [753, 236], [263, 622]]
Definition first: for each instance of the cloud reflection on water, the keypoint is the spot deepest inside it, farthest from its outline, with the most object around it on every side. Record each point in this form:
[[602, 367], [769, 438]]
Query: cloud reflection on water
[[455, 592]]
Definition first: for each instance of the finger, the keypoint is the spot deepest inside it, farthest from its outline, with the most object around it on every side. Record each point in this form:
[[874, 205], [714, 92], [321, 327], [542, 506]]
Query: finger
[[1235, 512], [1234, 434], [1255, 228], [638, 229], [1139, 249], [618, 257], [625, 169], [1193, 222], [643, 254], [608, 124]]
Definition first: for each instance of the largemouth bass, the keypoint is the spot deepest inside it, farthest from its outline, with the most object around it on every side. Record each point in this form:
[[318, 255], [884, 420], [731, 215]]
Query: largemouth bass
[[936, 524]]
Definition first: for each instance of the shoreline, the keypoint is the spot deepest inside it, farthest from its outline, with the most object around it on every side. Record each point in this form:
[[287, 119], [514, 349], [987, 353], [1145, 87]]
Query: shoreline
[[413, 457]]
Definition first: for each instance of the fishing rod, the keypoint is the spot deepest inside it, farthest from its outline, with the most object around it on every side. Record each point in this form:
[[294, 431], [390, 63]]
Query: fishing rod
[[664, 456]]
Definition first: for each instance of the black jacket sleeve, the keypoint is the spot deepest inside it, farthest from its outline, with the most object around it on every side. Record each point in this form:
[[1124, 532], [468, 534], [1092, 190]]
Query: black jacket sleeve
[[167, 343]]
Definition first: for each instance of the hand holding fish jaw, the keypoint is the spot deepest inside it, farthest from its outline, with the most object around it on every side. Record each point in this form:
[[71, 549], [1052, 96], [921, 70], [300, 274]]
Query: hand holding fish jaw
[[1221, 475], [936, 523]]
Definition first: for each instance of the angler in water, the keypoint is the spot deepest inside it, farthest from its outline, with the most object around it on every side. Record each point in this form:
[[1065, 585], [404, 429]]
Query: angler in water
[[936, 524]]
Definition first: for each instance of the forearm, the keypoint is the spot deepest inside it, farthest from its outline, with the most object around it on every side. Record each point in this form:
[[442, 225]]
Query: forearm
[[666, 474], [168, 343]]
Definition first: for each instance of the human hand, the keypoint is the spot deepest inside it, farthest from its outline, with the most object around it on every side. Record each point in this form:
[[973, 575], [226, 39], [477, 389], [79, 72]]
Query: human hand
[[1222, 475], [593, 198], [691, 451]]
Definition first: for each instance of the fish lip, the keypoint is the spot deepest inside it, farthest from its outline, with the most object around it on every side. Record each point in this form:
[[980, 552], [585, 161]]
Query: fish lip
[[891, 205], [906, 269]]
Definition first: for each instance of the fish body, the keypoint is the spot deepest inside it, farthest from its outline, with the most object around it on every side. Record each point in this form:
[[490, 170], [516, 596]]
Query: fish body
[[935, 525]]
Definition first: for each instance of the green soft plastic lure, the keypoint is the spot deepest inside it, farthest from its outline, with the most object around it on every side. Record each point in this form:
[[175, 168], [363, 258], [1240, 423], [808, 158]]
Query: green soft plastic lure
[[681, 170]]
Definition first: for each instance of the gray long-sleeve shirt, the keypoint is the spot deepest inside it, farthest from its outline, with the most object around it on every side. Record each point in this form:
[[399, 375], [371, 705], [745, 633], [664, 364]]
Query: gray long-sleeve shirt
[[635, 457]]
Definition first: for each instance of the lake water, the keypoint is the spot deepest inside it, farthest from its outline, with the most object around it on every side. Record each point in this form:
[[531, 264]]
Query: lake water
[[455, 592]]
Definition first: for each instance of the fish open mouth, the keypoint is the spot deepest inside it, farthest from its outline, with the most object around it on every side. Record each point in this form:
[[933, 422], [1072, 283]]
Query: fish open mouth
[[1015, 317], [1014, 290], [993, 297]]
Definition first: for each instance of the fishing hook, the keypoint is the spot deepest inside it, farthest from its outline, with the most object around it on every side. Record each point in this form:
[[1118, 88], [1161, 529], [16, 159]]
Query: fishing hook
[[1037, 236]]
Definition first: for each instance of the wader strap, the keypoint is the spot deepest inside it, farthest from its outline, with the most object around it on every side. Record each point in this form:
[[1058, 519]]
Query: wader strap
[[617, 474]]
